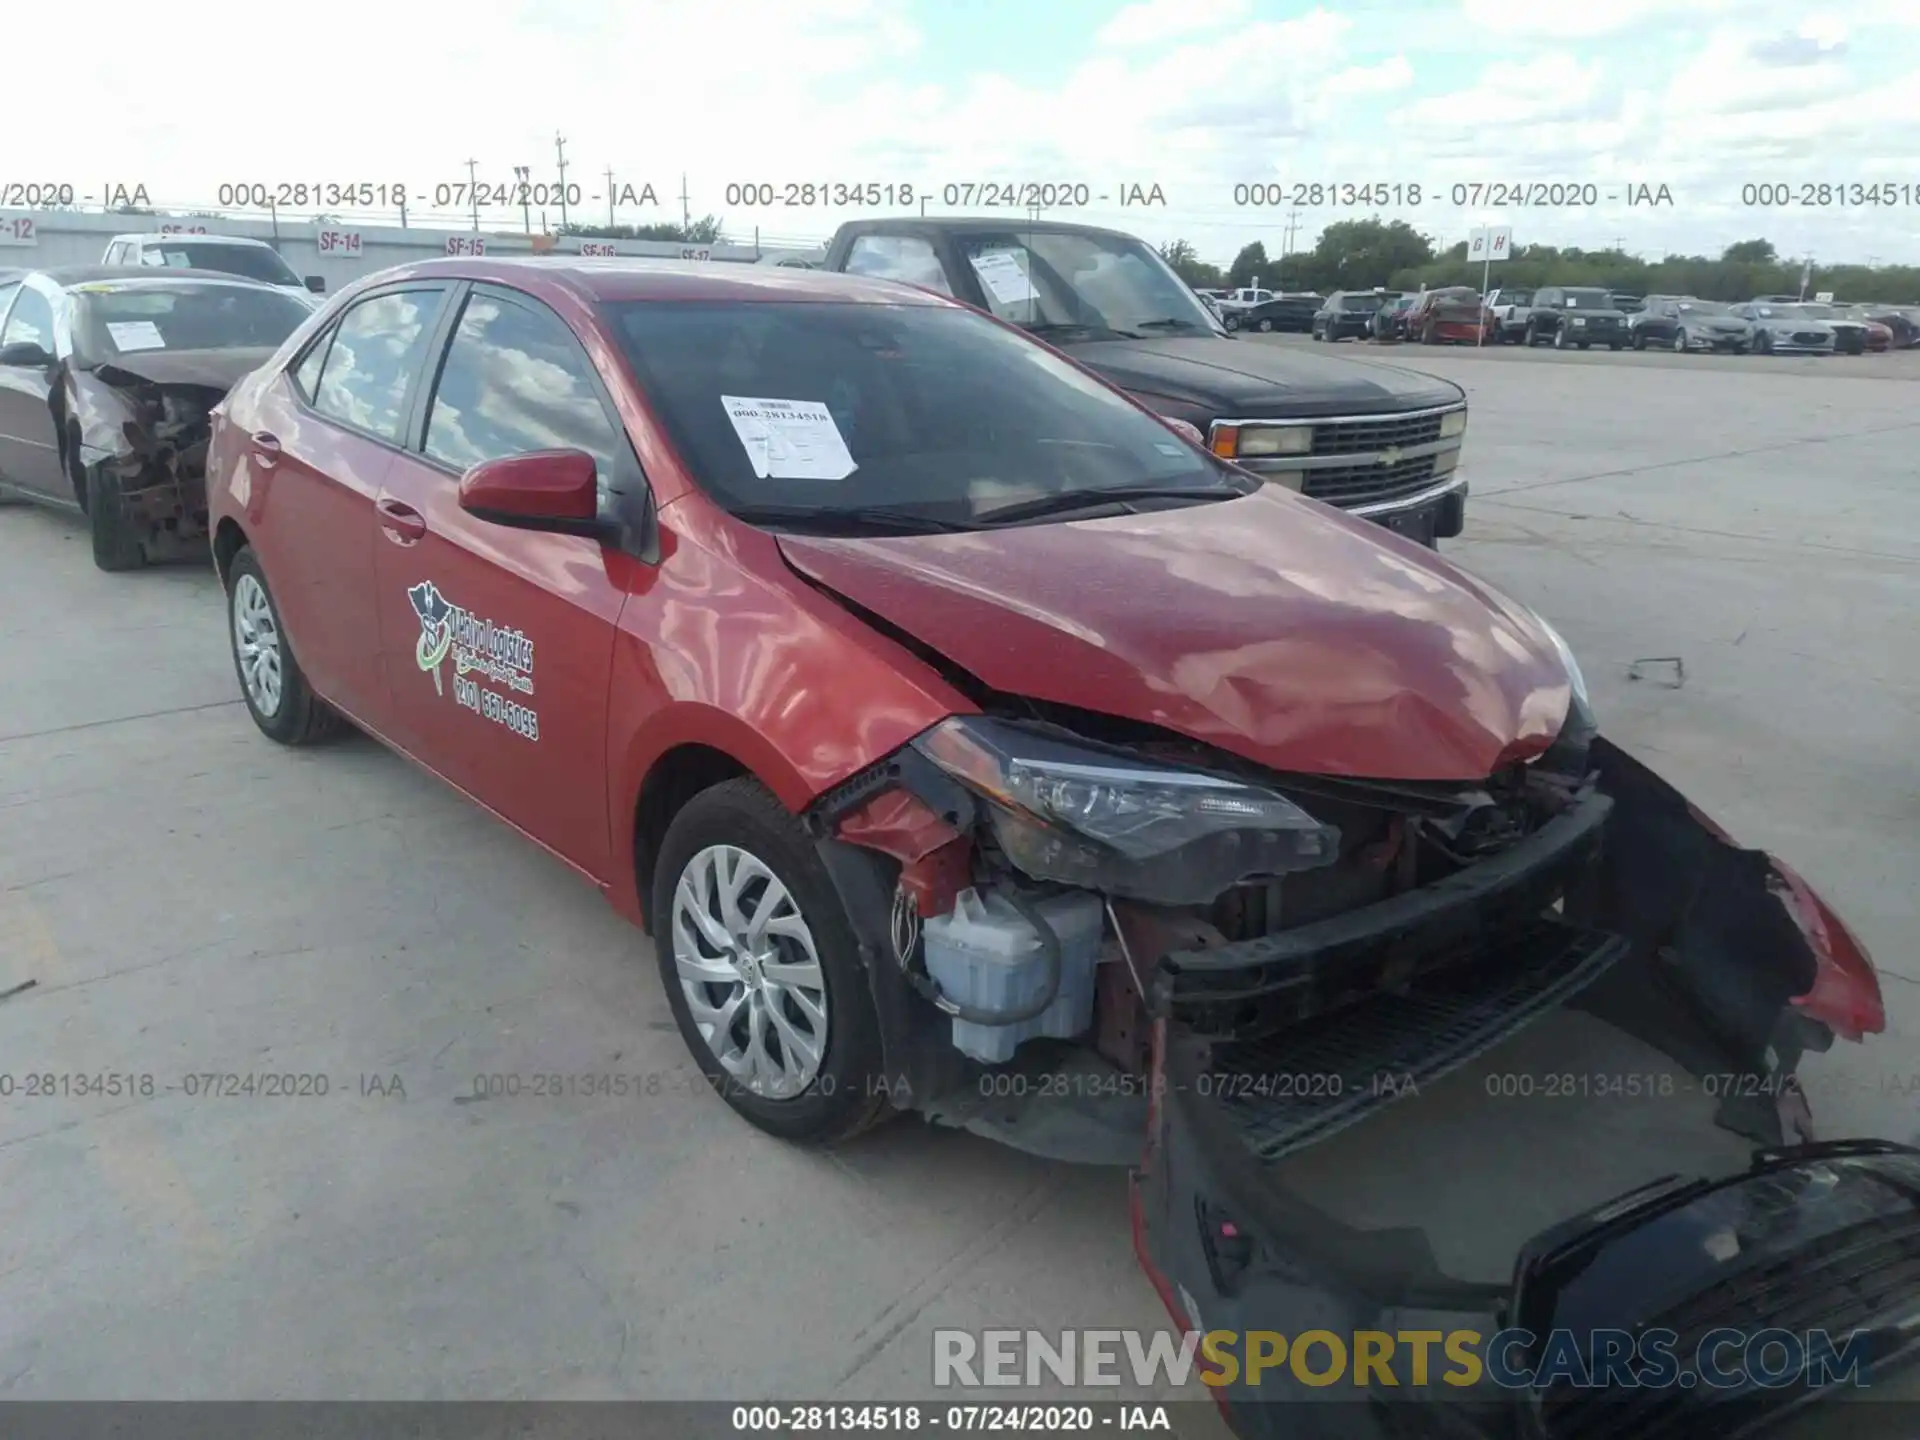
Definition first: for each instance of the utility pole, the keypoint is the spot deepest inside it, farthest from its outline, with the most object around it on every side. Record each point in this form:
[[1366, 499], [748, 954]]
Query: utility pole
[[686, 214], [560, 152], [1286, 247], [609, 197], [473, 191], [522, 173]]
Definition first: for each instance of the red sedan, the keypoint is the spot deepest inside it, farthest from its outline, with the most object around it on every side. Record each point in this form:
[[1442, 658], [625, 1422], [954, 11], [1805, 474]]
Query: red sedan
[[1453, 312], [970, 741]]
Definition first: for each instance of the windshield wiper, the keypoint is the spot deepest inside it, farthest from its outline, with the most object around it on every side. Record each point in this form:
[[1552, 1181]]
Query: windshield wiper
[[1065, 501], [815, 517], [1171, 324], [1062, 327]]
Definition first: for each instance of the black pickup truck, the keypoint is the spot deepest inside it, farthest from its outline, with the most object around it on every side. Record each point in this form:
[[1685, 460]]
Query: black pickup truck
[[1376, 440]]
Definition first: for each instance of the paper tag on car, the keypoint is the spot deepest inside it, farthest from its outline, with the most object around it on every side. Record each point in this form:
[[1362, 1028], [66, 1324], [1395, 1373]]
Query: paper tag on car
[[1000, 272], [789, 439], [136, 335]]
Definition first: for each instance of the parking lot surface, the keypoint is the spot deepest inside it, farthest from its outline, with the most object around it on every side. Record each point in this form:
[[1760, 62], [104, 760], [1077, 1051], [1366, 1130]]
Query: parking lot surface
[[1742, 534]]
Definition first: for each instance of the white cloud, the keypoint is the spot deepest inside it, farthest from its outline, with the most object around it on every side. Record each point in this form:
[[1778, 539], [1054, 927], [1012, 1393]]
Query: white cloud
[[1506, 19], [1153, 22]]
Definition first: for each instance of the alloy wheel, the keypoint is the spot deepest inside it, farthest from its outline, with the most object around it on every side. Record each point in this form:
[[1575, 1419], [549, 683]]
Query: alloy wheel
[[1679, 342], [748, 968], [256, 645]]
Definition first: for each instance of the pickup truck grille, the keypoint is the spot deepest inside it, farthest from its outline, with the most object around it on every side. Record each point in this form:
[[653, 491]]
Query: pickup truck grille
[[1363, 437], [1370, 483]]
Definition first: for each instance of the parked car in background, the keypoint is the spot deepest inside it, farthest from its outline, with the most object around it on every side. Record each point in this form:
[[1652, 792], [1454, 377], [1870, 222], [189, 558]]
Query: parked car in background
[[1450, 313], [1509, 307], [1902, 322], [1390, 320], [1628, 304], [1575, 317], [1878, 334], [1348, 314], [1850, 335], [228, 254], [107, 380], [1784, 330], [1289, 313], [1683, 323], [1238, 302], [1374, 439]]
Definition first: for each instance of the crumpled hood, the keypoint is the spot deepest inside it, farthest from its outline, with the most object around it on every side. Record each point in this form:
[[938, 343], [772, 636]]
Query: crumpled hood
[[1246, 379], [1271, 626], [218, 369]]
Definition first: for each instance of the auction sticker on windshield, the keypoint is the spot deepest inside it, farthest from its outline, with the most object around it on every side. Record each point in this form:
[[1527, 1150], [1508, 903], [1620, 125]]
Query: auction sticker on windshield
[[1000, 272], [789, 439], [136, 335]]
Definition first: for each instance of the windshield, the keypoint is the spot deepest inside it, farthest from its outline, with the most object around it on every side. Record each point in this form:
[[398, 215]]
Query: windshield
[[1106, 284], [256, 262], [1704, 307], [1588, 300], [122, 319], [932, 411]]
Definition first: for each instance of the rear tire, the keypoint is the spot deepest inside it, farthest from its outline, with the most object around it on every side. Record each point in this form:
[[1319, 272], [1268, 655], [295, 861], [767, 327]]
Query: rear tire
[[115, 546], [1532, 336], [271, 682], [801, 983]]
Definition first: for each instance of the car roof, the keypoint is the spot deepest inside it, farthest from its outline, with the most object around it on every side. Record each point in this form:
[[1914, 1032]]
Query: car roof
[[67, 276], [183, 237], [623, 277]]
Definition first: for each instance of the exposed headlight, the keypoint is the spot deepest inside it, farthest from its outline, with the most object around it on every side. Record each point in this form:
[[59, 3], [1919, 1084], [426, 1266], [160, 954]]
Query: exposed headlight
[[1568, 753], [1066, 812], [1258, 440], [1454, 422]]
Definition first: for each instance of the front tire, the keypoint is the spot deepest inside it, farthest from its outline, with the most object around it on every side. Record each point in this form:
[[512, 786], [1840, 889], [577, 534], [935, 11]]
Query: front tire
[[762, 969], [115, 546], [1560, 338], [1533, 335], [1679, 342], [271, 681], [1264, 326]]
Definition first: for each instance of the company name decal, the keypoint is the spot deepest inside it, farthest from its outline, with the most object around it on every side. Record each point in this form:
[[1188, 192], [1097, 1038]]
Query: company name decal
[[476, 645]]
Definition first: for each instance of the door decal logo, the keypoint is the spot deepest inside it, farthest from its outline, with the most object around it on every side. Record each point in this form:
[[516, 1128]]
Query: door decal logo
[[497, 652], [436, 630]]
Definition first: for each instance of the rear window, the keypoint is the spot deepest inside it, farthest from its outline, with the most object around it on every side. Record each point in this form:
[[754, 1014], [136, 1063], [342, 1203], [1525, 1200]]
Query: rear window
[[1364, 302], [111, 321], [256, 262]]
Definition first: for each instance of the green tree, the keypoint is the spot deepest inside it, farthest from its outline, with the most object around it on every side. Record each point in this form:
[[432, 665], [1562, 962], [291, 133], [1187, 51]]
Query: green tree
[[1187, 264], [1359, 254], [1251, 262], [704, 231], [1751, 252]]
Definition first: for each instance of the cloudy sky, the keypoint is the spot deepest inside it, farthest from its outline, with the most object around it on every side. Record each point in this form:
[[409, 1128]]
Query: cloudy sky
[[1194, 96]]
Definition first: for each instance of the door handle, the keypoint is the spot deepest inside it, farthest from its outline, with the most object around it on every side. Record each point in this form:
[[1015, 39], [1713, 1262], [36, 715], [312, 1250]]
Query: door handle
[[266, 448], [402, 522]]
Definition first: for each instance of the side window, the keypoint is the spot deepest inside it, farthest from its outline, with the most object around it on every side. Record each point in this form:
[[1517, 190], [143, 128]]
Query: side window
[[7, 293], [376, 351], [306, 375], [116, 253], [516, 379], [898, 257], [31, 319]]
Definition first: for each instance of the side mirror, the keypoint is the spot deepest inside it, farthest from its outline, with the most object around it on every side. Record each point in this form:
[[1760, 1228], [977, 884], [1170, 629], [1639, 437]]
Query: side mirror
[[553, 490], [27, 354], [317, 284]]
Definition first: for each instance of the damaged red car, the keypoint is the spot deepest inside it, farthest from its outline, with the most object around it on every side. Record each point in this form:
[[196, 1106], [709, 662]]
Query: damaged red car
[[108, 375], [971, 742]]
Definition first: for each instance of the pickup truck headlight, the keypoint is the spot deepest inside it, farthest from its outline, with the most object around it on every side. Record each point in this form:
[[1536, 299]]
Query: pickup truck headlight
[[1067, 812], [1453, 423], [1241, 442]]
